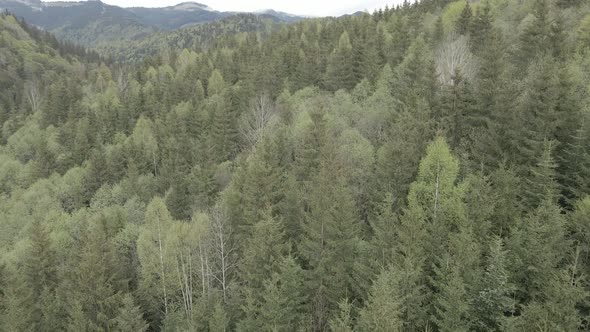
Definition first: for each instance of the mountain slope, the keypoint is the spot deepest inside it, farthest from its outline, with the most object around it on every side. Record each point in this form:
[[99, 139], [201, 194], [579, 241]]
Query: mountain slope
[[195, 37], [173, 17], [93, 23]]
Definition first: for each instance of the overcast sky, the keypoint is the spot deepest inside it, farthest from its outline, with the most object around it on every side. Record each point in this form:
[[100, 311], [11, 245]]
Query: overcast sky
[[301, 7]]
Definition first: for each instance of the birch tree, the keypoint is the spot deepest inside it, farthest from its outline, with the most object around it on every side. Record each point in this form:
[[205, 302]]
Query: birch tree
[[452, 56], [223, 249], [153, 256], [260, 118]]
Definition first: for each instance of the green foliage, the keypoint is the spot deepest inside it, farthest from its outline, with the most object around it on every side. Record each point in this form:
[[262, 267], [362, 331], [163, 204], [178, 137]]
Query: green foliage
[[130, 317], [315, 176], [493, 300], [343, 322], [464, 21], [384, 309], [339, 72]]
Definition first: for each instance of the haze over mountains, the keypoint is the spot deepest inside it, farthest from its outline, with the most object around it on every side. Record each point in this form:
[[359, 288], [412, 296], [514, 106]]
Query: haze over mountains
[[92, 23]]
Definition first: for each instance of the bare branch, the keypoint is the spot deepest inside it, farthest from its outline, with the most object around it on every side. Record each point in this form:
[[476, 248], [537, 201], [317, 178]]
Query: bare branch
[[454, 54], [255, 123]]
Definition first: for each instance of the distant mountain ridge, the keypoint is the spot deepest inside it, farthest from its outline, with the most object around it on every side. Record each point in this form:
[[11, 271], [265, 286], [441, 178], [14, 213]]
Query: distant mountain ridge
[[93, 22]]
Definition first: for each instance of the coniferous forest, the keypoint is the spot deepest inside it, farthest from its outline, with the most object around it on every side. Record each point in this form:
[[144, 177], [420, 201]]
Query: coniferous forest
[[420, 168]]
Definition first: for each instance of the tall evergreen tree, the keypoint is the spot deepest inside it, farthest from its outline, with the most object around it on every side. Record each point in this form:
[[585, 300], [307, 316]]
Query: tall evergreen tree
[[339, 74], [332, 247], [464, 22], [493, 300], [283, 298], [384, 308], [130, 317]]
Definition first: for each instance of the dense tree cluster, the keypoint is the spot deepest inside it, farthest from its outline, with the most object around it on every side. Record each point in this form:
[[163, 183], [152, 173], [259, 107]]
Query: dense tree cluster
[[423, 168]]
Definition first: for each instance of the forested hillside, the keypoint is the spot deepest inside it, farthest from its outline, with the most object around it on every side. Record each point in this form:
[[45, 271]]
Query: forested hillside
[[423, 168], [111, 29], [195, 38]]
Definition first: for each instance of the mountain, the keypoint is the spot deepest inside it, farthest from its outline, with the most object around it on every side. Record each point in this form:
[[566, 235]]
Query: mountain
[[425, 167], [194, 37], [282, 16], [180, 15], [93, 23]]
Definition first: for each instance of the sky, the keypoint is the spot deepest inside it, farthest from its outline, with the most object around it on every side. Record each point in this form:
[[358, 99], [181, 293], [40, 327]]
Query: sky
[[299, 7]]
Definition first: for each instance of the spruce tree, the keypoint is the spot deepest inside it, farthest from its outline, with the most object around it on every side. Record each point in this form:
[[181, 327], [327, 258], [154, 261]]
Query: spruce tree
[[535, 39], [452, 305], [464, 22], [537, 119], [481, 27], [385, 306], [130, 317], [283, 298], [493, 300], [343, 321], [542, 183], [339, 73], [332, 247], [537, 247]]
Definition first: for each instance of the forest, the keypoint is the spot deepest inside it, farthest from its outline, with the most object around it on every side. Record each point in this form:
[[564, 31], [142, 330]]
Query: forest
[[425, 167]]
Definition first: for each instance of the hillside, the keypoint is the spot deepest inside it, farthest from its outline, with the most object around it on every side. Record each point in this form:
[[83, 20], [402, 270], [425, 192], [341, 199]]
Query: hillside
[[95, 24], [195, 37], [421, 168]]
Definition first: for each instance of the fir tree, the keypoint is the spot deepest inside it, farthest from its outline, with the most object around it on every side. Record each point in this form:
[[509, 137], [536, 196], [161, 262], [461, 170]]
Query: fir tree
[[130, 317], [464, 22]]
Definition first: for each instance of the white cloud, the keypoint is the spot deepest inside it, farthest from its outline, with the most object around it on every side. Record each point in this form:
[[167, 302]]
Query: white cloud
[[300, 7]]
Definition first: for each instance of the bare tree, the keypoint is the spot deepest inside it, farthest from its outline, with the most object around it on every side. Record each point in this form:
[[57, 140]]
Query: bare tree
[[123, 83], [453, 55], [182, 251], [223, 249], [259, 119], [34, 95]]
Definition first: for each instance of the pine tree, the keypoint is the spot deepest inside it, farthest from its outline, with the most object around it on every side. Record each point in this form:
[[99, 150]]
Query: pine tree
[[542, 185], [457, 104], [452, 305], [263, 252], [339, 74], [573, 134], [332, 247], [39, 272], [384, 229], [536, 120], [438, 33], [385, 306], [397, 160], [481, 203], [97, 275], [410, 263], [558, 311], [130, 318], [283, 298], [464, 22], [481, 27], [535, 39], [415, 78], [216, 84], [493, 92], [493, 300], [31, 284], [224, 128], [307, 155], [343, 321], [399, 41], [537, 245]]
